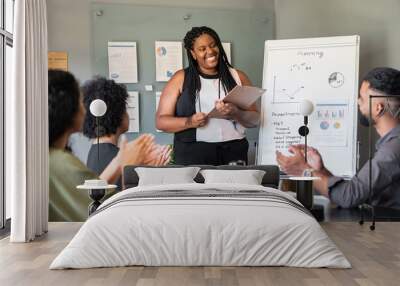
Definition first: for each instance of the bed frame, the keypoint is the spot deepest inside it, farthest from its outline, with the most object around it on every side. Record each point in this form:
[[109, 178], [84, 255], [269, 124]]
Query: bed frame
[[130, 178]]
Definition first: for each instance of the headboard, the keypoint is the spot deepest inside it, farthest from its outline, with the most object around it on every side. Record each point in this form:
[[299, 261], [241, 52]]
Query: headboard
[[270, 179]]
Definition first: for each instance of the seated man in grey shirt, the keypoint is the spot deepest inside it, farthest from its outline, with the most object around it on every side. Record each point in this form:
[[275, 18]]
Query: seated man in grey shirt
[[386, 161]]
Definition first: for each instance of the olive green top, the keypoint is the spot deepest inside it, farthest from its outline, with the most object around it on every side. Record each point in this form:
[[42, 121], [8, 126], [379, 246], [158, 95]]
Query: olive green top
[[66, 172]]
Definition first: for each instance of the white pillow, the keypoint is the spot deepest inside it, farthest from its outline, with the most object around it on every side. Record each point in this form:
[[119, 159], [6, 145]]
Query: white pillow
[[248, 177], [166, 176]]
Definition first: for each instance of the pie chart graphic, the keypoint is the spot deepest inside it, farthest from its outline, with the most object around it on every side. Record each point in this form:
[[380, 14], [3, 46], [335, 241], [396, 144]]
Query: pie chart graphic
[[336, 79], [324, 125], [161, 51]]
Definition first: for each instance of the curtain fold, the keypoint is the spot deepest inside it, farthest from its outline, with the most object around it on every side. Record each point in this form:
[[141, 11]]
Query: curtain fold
[[27, 124]]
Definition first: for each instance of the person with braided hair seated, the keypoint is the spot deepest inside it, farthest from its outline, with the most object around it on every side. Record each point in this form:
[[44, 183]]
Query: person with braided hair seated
[[193, 92]]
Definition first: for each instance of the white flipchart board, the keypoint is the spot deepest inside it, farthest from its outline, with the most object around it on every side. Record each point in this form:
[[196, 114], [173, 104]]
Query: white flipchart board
[[325, 71]]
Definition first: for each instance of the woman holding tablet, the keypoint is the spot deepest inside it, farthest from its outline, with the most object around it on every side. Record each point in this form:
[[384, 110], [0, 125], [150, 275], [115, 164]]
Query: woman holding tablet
[[193, 92]]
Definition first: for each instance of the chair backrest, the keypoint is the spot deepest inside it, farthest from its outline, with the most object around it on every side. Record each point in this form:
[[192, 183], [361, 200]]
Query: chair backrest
[[270, 179]]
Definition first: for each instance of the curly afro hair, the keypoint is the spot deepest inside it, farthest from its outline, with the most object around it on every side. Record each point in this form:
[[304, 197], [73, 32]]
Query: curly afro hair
[[64, 96], [384, 79], [114, 95]]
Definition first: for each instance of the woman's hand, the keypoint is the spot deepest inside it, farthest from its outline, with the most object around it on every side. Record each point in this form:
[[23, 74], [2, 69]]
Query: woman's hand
[[158, 156], [132, 153], [198, 119], [228, 110], [135, 152]]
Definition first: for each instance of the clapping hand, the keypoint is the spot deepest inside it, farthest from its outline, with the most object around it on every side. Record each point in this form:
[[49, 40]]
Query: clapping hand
[[135, 152], [292, 165], [158, 156], [314, 158], [295, 164]]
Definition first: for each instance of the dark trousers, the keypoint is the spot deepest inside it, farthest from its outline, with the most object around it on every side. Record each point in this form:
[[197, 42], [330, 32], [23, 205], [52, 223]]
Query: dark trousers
[[202, 153]]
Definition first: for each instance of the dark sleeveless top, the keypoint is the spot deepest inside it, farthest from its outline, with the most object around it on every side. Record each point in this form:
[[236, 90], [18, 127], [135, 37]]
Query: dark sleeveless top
[[186, 106]]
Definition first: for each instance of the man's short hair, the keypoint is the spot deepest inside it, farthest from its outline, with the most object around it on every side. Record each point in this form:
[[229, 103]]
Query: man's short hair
[[384, 79], [387, 81]]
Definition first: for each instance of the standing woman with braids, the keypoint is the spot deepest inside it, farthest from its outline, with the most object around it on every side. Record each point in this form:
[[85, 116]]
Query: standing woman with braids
[[193, 92]]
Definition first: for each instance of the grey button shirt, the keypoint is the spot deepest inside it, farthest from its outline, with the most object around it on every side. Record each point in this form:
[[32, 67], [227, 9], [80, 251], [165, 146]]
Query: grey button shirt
[[385, 177]]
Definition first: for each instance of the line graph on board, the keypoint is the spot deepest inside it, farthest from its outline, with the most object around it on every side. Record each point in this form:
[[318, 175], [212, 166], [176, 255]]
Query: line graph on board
[[286, 95], [295, 75]]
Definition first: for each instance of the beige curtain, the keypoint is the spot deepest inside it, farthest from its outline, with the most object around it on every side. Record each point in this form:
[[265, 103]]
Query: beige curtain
[[27, 124]]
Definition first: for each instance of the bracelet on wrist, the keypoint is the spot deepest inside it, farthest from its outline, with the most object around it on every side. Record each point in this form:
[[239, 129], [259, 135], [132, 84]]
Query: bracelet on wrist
[[308, 172]]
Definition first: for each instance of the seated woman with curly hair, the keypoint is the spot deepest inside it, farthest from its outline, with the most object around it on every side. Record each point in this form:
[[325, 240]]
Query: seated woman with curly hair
[[66, 115], [113, 124]]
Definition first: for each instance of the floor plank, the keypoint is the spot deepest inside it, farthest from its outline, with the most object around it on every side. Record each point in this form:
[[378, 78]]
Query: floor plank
[[374, 255]]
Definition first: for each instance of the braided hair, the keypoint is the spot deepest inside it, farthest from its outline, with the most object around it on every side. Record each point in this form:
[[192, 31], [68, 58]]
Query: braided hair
[[224, 75]]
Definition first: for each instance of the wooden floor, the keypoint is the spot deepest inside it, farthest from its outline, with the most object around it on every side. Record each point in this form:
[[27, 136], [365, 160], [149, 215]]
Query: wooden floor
[[375, 257]]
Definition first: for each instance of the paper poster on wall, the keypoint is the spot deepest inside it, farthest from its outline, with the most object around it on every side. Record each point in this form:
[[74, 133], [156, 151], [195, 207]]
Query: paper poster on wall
[[168, 59], [158, 95], [227, 49], [58, 60], [133, 111], [122, 62]]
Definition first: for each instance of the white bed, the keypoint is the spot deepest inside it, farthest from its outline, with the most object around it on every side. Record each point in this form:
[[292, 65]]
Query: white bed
[[201, 224]]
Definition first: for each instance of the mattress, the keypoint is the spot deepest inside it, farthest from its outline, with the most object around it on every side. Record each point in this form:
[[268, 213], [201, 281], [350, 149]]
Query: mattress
[[201, 225]]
